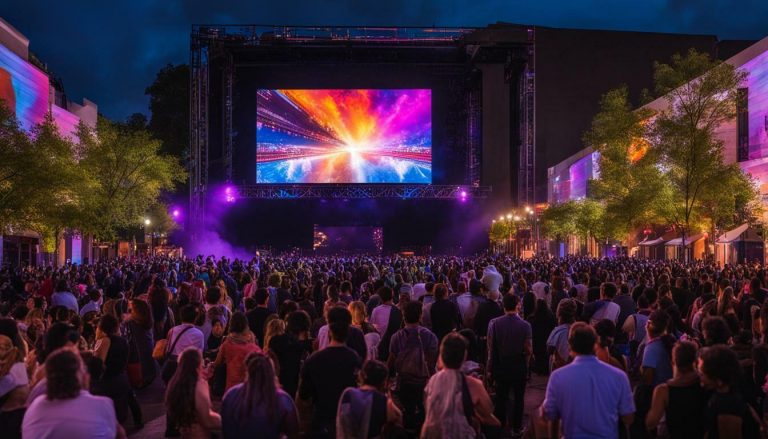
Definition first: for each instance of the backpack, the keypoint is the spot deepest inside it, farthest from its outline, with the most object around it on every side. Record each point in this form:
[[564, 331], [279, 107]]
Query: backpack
[[411, 362]]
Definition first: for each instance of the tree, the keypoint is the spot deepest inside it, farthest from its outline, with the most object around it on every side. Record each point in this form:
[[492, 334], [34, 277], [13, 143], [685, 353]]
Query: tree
[[18, 165], [730, 203], [61, 204], [630, 183], [131, 174], [161, 221], [701, 94], [558, 221], [585, 218], [501, 231], [169, 105]]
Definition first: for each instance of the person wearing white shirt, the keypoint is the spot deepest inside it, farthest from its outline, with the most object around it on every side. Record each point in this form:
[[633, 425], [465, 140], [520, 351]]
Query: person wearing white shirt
[[67, 410], [541, 291], [492, 281], [187, 334]]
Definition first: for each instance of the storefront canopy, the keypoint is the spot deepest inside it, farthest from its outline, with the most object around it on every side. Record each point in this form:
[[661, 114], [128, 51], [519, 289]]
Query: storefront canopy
[[740, 234], [652, 242], [688, 240]]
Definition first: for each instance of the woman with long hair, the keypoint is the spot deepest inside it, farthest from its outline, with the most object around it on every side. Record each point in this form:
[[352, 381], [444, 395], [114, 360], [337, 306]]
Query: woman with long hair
[[360, 320], [236, 346], [188, 401], [113, 351], [258, 404], [274, 327], [141, 341], [158, 299], [291, 349]]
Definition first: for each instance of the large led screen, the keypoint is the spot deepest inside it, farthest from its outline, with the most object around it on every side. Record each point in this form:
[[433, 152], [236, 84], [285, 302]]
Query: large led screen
[[344, 136]]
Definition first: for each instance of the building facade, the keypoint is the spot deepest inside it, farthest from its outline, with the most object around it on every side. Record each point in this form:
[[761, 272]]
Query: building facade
[[31, 92]]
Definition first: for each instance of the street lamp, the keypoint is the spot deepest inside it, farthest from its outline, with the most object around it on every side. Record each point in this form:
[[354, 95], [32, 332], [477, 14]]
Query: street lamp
[[147, 223]]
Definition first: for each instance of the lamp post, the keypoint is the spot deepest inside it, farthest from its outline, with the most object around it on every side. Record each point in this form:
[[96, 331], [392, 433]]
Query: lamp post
[[147, 223]]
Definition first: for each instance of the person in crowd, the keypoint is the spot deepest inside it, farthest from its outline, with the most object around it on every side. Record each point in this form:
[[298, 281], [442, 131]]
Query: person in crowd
[[387, 319], [59, 335], [64, 297], [605, 349], [113, 351], [181, 337], [413, 354], [258, 404], [587, 396], [657, 356], [557, 342], [680, 401], [14, 381], [291, 349], [188, 400], [604, 308], [94, 302], [325, 375], [67, 409], [726, 414], [360, 321], [509, 350], [492, 280], [366, 411], [355, 339], [558, 293], [158, 298], [444, 314], [139, 333], [627, 305], [470, 302], [274, 328], [258, 317], [542, 324], [236, 347], [456, 405]]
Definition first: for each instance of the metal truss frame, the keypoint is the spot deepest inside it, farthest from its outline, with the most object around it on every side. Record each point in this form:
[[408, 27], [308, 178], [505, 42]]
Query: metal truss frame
[[357, 191]]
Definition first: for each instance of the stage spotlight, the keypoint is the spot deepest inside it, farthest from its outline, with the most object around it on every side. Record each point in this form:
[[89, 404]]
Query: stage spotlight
[[230, 194]]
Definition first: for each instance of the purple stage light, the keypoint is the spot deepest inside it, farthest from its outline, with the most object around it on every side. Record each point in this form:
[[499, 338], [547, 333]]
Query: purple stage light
[[463, 194], [230, 194], [175, 213]]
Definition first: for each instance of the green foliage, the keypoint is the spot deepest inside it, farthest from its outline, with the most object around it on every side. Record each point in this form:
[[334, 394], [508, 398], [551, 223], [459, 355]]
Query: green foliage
[[702, 95], [18, 166], [668, 167], [130, 173], [501, 231], [558, 221], [161, 221], [630, 183]]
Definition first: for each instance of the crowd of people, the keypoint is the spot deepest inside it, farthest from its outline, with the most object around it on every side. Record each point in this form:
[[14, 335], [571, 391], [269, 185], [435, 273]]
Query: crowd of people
[[390, 347]]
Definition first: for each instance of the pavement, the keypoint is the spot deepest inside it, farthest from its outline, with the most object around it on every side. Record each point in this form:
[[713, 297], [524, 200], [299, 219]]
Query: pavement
[[153, 409]]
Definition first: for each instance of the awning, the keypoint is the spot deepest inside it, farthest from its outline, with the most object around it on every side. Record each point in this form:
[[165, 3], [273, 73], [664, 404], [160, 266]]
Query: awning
[[688, 240], [732, 235], [656, 241]]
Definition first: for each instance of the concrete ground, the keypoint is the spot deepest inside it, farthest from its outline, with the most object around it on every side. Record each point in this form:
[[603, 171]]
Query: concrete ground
[[151, 400]]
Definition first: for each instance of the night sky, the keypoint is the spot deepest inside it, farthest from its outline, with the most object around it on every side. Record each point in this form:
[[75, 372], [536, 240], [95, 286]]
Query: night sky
[[110, 51]]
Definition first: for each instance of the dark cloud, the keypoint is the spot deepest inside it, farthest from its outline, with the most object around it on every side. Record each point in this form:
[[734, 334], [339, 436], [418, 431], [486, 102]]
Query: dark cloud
[[110, 51]]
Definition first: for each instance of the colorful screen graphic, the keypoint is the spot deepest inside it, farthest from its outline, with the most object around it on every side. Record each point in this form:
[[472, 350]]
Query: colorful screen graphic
[[344, 136]]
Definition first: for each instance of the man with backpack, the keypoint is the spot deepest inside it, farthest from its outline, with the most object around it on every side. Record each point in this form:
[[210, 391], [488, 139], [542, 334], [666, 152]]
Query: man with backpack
[[412, 357]]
